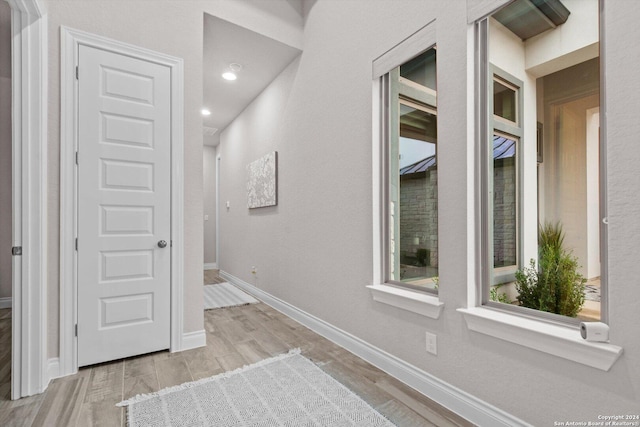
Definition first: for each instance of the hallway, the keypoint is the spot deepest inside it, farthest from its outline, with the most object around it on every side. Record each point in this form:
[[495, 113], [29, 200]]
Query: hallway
[[236, 336]]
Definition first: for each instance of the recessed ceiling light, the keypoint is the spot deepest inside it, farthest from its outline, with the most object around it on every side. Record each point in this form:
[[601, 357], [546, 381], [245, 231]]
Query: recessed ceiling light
[[205, 112], [228, 75], [231, 73]]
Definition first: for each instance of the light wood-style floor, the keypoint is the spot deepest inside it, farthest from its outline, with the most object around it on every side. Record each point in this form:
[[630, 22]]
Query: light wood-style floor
[[211, 277], [236, 336]]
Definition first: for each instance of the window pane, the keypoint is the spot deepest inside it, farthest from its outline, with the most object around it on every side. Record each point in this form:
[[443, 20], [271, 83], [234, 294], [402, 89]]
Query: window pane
[[418, 207], [421, 69], [504, 101], [412, 198], [569, 174], [505, 222], [544, 183]]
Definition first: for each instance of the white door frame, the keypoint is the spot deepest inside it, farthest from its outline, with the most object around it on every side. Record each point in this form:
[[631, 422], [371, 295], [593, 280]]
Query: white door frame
[[29, 181], [70, 41], [217, 201]]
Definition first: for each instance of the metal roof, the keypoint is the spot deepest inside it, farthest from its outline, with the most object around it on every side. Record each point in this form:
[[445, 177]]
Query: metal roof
[[503, 148]]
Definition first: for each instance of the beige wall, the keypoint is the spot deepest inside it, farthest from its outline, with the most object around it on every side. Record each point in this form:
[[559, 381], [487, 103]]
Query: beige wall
[[5, 150], [172, 27], [209, 203], [314, 250]]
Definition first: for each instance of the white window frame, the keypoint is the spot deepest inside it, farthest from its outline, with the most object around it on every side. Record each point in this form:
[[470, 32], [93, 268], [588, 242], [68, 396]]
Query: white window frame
[[502, 126], [420, 98], [416, 301], [526, 327]]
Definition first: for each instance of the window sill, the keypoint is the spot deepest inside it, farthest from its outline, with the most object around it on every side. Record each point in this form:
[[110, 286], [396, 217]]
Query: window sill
[[416, 302], [552, 339]]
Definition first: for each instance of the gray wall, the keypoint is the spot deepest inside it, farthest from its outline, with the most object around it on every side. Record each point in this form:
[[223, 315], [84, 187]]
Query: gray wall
[[5, 150], [314, 250], [209, 203]]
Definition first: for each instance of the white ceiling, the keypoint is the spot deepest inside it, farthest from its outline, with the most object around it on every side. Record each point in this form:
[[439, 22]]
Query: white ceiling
[[262, 60]]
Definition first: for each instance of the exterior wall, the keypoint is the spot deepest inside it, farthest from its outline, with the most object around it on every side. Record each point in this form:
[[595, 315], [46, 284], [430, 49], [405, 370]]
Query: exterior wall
[[5, 150], [175, 28], [209, 203], [565, 166], [504, 213], [314, 250], [419, 215]]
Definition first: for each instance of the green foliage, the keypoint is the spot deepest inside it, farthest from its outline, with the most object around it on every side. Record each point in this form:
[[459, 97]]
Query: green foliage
[[498, 297], [556, 286]]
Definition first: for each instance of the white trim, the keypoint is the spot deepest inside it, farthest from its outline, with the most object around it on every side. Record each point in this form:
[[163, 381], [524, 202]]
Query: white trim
[[477, 10], [211, 266], [53, 368], [467, 406], [416, 302], [5, 302], [70, 41], [194, 339], [561, 341], [408, 48], [29, 142], [217, 207], [406, 299]]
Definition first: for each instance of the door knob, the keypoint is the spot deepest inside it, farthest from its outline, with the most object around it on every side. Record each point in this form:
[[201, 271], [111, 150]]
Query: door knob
[[162, 244]]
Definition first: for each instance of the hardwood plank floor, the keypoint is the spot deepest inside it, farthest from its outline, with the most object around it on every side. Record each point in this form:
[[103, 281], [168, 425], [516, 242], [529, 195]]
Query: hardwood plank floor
[[211, 277], [236, 336]]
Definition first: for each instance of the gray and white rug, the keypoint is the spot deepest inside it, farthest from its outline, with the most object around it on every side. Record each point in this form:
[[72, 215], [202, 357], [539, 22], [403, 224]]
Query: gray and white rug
[[286, 390], [225, 295]]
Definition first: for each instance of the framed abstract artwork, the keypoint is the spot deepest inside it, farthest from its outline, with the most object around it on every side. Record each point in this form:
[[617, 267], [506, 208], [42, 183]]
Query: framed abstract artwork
[[262, 181]]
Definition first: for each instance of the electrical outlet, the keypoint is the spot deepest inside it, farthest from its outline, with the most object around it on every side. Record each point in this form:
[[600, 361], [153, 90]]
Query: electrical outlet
[[254, 270], [432, 345]]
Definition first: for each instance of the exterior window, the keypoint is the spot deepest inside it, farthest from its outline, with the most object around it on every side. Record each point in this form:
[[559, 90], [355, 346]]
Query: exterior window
[[504, 172], [543, 216], [505, 201], [412, 175], [504, 100]]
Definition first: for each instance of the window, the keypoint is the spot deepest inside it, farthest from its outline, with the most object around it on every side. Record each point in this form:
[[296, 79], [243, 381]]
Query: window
[[542, 186], [504, 183], [411, 175], [504, 100]]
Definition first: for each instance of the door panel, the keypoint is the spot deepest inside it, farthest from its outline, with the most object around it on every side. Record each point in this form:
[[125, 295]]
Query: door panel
[[123, 206]]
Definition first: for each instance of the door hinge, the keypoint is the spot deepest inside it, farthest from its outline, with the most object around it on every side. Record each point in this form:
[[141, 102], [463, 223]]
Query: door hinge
[[76, 329], [16, 250], [77, 73], [76, 157], [76, 243]]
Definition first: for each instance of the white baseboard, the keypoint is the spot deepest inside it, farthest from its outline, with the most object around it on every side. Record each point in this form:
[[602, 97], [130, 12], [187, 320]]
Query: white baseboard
[[462, 403], [5, 302], [211, 266], [193, 340], [53, 369]]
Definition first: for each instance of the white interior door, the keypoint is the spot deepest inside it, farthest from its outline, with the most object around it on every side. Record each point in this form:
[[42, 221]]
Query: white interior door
[[124, 213]]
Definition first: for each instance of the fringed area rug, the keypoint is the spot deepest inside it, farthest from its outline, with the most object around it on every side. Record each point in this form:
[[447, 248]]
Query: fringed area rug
[[225, 295], [286, 390]]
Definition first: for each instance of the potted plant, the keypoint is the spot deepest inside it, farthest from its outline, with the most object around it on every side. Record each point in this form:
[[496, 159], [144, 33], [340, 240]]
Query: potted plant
[[556, 286]]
